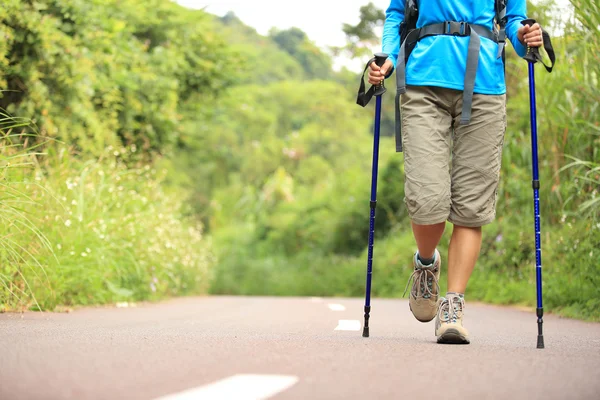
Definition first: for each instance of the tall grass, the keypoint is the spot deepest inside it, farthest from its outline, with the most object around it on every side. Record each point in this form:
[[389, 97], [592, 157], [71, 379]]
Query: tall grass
[[21, 241], [584, 101], [91, 231]]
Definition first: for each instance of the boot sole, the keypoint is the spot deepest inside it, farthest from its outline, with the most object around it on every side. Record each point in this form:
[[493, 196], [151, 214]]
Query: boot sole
[[452, 336]]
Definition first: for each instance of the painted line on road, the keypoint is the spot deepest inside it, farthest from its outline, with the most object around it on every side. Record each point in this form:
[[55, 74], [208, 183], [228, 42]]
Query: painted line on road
[[239, 387], [336, 307], [348, 325], [316, 300]]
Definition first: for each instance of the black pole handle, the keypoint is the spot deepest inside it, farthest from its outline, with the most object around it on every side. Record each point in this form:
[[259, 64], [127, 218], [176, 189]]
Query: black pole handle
[[376, 90], [528, 21], [380, 60], [533, 53]]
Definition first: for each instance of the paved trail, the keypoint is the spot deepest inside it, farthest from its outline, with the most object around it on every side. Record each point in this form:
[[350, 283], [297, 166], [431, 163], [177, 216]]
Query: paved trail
[[290, 348]]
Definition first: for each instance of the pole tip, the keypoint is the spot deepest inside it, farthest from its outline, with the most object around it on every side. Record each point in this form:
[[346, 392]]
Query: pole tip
[[540, 342], [366, 331]]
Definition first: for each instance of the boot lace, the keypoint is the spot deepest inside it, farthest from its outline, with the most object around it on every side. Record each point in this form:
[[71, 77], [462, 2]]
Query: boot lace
[[423, 278], [451, 309]]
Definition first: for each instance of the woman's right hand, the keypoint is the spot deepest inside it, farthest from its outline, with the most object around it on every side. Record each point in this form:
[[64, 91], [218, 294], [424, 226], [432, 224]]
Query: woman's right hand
[[377, 74]]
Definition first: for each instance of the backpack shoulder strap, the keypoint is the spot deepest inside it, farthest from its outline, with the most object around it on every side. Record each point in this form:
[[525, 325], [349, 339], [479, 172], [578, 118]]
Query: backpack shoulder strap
[[501, 20], [409, 36]]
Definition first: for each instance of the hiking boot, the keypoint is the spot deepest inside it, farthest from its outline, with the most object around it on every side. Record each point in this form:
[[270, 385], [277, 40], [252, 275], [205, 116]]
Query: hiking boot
[[423, 299], [449, 327]]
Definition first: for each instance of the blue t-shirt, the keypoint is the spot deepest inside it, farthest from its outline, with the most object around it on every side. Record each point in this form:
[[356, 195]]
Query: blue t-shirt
[[441, 60]]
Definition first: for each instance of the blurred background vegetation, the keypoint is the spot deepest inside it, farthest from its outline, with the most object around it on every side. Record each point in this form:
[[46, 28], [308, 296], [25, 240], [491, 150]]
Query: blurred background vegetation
[[148, 150]]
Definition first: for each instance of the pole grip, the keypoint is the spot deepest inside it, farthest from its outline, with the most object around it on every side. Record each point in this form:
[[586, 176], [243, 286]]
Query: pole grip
[[364, 97], [533, 53], [380, 60], [528, 21]]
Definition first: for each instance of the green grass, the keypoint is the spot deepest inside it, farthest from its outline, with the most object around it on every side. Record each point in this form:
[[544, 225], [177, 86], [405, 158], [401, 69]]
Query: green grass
[[81, 232]]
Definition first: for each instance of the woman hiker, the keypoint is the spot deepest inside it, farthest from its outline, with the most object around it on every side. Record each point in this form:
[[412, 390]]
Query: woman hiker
[[453, 119]]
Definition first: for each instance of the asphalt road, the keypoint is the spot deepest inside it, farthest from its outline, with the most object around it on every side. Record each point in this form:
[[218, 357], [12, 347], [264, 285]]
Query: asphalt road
[[291, 348]]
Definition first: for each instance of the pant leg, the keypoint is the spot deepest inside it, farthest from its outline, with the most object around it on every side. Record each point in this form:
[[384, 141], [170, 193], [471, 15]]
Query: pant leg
[[426, 134], [476, 161]]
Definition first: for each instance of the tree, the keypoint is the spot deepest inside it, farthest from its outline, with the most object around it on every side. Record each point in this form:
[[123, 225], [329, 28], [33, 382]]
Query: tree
[[295, 42], [108, 72], [362, 37]]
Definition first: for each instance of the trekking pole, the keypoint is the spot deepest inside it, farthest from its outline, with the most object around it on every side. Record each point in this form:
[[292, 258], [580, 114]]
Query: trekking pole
[[532, 56], [363, 100]]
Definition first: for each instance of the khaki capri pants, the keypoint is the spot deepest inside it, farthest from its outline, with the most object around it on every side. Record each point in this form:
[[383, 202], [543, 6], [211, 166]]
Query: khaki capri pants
[[451, 170]]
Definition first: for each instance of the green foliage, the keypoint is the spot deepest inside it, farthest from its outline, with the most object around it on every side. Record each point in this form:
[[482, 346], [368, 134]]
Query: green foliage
[[263, 144], [258, 133], [20, 237], [277, 255], [362, 37], [570, 271], [582, 99], [87, 232], [120, 235], [106, 72], [297, 44], [282, 55], [260, 60]]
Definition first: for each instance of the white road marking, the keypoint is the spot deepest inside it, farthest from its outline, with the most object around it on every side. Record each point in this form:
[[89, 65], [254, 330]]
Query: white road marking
[[239, 387], [348, 325], [336, 307], [316, 299]]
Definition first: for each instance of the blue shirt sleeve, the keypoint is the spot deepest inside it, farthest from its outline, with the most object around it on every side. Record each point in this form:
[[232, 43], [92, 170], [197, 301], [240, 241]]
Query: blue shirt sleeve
[[394, 15], [515, 12]]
